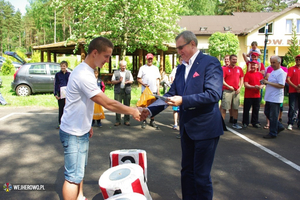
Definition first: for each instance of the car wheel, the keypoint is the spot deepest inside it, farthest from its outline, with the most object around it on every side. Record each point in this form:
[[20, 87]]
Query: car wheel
[[23, 90]]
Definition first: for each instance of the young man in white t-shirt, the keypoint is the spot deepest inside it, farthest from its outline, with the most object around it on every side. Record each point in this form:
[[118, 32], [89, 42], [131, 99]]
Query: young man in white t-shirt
[[274, 97], [149, 76], [75, 130]]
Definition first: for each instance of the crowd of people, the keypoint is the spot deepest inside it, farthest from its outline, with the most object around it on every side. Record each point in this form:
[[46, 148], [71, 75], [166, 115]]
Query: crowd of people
[[273, 78], [196, 87]]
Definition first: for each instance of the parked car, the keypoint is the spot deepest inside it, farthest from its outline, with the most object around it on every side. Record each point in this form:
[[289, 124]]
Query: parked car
[[34, 78]]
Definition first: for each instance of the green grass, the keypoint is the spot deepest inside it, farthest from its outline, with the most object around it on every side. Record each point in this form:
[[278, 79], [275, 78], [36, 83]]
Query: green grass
[[48, 100]]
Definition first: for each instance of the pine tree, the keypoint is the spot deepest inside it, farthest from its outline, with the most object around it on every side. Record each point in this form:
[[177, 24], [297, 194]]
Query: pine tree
[[293, 50]]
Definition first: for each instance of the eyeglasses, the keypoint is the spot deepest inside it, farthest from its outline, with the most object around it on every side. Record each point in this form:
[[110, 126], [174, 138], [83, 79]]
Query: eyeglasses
[[297, 58], [181, 47]]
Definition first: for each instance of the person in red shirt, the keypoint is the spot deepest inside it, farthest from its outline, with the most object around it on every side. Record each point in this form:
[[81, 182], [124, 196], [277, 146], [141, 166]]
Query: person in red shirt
[[233, 77], [252, 95], [254, 56], [293, 79], [226, 64]]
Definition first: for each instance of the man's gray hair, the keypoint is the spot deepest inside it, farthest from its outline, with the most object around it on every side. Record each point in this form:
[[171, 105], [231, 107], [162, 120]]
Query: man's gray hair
[[188, 36], [123, 62], [277, 58]]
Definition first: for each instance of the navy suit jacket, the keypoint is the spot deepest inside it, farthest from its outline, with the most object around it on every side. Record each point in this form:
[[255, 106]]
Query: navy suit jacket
[[199, 113]]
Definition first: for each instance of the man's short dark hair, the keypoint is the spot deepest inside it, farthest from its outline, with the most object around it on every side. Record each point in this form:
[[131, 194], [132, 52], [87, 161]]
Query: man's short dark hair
[[232, 55], [100, 44], [188, 36], [63, 62]]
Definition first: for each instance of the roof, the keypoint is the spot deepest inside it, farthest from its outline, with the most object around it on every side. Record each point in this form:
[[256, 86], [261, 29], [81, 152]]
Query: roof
[[68, 48], [239, 23]]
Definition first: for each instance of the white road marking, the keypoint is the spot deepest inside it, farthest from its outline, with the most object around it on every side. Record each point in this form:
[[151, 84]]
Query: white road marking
[[276, 155]]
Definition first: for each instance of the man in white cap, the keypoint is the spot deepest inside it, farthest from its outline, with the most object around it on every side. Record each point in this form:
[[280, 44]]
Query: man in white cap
[[149, 76]]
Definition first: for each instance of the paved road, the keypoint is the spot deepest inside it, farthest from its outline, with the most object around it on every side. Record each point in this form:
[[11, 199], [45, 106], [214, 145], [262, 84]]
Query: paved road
[[246, 165]]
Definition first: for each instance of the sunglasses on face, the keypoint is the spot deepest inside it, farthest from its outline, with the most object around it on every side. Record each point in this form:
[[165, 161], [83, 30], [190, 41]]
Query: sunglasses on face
[[181, 47]]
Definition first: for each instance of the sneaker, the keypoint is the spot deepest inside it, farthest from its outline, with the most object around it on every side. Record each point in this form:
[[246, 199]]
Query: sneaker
[[290, 127], [245, 125], [99, 124], [257, 126], [236, 126], [153, 124], [144, 124], [175, 127]]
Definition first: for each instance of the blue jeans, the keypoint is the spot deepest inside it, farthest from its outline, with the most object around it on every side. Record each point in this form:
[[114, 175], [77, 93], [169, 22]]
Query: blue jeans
[[76, 154], [272, 112], [294, 102]]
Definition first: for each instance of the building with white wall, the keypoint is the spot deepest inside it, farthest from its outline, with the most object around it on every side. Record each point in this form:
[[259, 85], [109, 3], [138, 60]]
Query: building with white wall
[[248, 27]]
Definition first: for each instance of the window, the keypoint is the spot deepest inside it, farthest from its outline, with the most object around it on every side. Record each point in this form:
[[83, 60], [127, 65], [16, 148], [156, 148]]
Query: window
[[270, 29], [37, 69], [298, 25], [54, 69], [289, 26]]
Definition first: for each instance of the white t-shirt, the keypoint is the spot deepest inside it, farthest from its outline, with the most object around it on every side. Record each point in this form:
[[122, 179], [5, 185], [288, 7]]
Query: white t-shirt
[[79, 108], [149, 76], [273, 94], [122, 74]]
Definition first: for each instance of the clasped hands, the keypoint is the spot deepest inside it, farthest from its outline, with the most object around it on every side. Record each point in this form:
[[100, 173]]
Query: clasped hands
[[141, 114]]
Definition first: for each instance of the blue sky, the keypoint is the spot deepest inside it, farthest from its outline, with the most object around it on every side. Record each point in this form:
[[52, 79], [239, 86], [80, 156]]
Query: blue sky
[[19, 4]]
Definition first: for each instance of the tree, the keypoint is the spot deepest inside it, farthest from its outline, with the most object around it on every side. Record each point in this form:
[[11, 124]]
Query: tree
[[221, 44], [293, 50], [130, 24], [226, 7], [196, 7]]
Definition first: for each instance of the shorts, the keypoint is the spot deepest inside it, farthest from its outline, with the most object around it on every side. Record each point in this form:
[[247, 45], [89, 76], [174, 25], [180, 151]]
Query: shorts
[[230, 100], [175, 108], [76, 154]]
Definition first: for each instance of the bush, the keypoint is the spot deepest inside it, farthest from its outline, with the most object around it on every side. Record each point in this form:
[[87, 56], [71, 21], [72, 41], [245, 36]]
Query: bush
[[168, 66], [129, 64], [8, 68]]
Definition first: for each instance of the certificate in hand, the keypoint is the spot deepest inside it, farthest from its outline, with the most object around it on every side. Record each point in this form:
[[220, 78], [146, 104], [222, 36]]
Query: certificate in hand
[[161, 97], [63, 92]]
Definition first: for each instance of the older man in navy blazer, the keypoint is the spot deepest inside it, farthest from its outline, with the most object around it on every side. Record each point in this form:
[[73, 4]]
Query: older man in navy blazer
[[197, 89]]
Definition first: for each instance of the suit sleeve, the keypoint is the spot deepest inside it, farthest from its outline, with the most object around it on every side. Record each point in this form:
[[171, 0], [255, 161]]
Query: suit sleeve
[[212, 87]]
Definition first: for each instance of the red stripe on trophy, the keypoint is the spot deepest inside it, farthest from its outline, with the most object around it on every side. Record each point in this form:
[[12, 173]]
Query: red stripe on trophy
[[141, 161], [115, 159], [137, 187], [104, 192]]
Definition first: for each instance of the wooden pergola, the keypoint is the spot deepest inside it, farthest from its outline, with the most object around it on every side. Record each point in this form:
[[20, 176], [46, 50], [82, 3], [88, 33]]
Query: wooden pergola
[[138, 56]]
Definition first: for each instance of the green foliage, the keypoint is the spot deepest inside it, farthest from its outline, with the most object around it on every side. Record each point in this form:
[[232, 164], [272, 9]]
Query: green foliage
[[196, 7], [226, 7], [130, 24], [7, 68], [76, 63], [129, 64], [221, 44], [293, 50], [168, 66]]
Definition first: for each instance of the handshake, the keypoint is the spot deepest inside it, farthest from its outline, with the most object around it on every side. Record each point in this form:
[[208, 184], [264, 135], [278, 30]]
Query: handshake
[[141, 114]]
